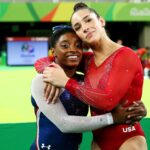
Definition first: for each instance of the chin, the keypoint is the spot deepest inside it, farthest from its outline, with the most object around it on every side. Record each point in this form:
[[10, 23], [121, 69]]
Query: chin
[[92, 40], [73, 64]]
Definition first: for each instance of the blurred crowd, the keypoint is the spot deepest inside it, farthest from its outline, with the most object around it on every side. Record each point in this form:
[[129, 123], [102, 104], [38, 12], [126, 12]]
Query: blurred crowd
[[144, 55]]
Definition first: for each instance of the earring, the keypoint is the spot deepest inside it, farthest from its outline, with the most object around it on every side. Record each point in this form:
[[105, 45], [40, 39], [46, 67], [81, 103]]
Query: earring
[[50, 53]]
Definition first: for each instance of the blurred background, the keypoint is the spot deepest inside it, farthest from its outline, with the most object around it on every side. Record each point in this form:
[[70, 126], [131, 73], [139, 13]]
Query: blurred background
[[25, 29]]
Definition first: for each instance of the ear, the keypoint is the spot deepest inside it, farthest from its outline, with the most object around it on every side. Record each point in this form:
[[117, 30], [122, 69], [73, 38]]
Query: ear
[[103, 22]]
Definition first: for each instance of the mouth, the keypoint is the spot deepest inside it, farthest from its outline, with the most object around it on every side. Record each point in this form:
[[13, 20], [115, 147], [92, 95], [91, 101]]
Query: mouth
[[89, 35], [73, 57]]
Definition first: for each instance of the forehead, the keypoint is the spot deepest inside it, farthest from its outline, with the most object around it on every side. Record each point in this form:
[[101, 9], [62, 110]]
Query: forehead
[[81, 14], [69, 36]]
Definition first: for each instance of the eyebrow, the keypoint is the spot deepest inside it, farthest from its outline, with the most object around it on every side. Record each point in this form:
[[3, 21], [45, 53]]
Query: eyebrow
[[81, 20], [64, 41]]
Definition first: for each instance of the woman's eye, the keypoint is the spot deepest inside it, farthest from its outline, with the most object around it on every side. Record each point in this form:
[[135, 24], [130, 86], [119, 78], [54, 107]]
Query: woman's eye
[[65, 46], [88, 20], [77, 28]]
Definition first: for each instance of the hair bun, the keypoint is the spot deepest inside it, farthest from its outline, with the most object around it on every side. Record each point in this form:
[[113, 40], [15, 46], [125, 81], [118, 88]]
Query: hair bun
[[79, 6]]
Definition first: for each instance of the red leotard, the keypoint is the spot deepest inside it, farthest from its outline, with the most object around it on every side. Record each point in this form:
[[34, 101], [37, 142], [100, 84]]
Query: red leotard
[[118, 78]]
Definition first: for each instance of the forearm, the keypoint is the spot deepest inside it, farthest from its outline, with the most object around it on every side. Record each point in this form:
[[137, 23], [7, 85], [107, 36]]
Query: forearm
[[72, 124], [77, 124], [101, 99], [58, 115], [111, 93]]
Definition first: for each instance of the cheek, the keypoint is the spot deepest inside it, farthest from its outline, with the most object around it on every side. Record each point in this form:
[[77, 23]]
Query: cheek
[[81, 53], [60, 56], [80, 35]]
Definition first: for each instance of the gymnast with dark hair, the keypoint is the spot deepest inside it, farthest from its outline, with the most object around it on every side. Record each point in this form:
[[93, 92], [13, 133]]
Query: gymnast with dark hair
[[113, 74], [59, 125]]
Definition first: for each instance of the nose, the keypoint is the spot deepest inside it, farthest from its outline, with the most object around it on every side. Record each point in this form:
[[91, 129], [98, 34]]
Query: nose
[[85, 29], [73, 49]]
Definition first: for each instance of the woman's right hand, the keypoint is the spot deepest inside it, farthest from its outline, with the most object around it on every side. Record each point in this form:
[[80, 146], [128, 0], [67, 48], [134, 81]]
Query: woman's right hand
[[55, 75], [51, 93]]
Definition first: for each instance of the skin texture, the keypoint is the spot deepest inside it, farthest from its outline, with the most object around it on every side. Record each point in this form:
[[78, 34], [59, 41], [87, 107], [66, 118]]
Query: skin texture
[[68, 51]]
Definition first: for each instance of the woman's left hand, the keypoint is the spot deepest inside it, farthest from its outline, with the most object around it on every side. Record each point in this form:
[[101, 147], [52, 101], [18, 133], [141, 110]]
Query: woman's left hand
[[130, 114], [55, 75], [51, 93]]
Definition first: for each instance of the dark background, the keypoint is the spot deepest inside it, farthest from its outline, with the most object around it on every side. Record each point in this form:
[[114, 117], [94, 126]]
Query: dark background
[[127, 31]]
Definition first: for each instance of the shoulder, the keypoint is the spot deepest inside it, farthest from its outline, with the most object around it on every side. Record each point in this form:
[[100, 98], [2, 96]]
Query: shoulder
[[41, 63], [126, 56], [126, 52]]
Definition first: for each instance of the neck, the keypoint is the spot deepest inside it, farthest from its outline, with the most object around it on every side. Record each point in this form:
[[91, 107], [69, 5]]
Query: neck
[[69, 71], [102, 45], [103, 49]]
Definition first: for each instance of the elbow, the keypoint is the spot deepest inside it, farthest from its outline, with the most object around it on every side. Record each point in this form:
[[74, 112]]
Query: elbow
[[64, 129]]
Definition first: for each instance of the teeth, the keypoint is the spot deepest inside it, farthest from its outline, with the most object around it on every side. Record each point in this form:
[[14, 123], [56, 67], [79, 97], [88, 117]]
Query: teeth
[[72, 57]]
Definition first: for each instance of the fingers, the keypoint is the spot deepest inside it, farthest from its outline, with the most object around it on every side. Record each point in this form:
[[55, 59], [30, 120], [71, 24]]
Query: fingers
[[135, 107], [133, 116], [54, 100], [53, 95], [134, 120], [138, 110], [47, 75], [138, 102], [47, 90], [138, 118]]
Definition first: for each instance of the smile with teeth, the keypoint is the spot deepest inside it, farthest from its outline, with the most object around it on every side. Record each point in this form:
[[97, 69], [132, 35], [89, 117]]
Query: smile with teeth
[[72, 57]]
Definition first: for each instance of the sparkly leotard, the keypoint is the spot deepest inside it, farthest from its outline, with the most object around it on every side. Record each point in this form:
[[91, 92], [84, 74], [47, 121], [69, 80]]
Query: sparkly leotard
[[118, 78]]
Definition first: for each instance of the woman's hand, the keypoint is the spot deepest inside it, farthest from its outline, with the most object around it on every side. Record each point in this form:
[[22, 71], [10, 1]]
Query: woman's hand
[[51, 93], [129, 115], [55, 75], [138, 111]]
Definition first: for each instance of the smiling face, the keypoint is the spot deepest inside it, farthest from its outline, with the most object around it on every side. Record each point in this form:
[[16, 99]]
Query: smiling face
[[88, 26], [68, 50]]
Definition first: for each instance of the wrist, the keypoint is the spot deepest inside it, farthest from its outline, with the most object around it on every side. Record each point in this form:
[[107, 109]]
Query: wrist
[[110, 119], [65, 81]]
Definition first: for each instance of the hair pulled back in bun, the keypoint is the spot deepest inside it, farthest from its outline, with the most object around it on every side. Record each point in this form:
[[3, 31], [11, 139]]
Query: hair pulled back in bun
[[79, 6]]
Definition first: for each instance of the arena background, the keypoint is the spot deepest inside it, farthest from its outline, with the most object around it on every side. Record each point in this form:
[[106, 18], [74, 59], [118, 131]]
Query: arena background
[[17, 120]]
